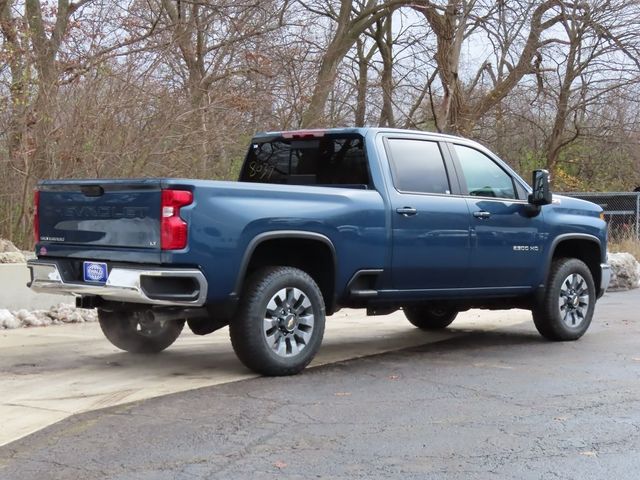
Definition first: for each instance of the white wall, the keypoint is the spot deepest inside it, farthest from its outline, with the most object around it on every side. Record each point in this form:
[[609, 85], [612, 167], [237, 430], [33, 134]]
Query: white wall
[[15, 295]]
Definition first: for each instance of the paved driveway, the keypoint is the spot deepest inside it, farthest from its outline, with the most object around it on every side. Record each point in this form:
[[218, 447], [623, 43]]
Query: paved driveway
[[482, 404], [47, 374]]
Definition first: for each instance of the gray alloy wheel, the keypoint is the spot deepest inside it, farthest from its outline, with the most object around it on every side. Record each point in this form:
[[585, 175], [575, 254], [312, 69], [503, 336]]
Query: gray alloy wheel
[[573, 300], [288, 322], [565, 310], [136, 332], [279, 325]]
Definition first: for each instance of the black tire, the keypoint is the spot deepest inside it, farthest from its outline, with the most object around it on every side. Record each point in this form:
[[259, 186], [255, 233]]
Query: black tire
[[290, 337], [428, 317], [561, 314], [125, 331]]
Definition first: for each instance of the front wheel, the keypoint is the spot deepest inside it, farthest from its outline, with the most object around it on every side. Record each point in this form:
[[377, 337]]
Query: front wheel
[[137, 332], [429, 317], [280, 321], [565, 310]]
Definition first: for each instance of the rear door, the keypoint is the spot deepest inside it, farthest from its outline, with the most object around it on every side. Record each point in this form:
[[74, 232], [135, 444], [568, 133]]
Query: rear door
[[430, 223], [506, 244]]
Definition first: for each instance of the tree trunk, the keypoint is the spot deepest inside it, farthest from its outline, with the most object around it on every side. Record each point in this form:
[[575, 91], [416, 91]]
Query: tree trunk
[[314, 115], [362, 85], [384, 40], [556, 140], [449, 28]]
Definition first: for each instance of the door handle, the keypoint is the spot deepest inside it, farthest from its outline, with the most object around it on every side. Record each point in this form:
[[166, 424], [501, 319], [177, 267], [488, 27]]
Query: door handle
[[406, 211], [482, 214]]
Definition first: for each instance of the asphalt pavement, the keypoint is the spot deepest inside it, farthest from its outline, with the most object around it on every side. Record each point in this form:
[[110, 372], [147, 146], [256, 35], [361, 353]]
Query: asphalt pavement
[[48, 374], [483, 404]]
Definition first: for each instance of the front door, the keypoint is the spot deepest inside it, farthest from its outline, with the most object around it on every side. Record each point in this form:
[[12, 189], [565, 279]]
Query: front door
[[506, 240]]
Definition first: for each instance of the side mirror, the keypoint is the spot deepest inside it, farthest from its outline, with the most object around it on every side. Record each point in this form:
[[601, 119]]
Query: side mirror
[[541, 193]]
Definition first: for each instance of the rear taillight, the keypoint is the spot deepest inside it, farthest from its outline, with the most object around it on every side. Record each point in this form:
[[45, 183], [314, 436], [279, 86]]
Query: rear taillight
[[36, 216], [173, 229]]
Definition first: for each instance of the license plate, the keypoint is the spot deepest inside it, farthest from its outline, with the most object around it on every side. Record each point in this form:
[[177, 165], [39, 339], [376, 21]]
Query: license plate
[[95, 272]]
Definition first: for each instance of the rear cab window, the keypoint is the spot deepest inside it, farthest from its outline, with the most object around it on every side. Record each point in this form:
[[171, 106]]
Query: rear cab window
[[337, 160]]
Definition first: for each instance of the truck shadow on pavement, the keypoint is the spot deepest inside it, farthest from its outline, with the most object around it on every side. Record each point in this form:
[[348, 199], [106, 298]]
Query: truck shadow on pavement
[[472, 344], [203, 359]]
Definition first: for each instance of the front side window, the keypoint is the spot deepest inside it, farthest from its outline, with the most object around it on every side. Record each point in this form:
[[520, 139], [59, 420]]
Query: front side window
[[418, 166], [483, 176]]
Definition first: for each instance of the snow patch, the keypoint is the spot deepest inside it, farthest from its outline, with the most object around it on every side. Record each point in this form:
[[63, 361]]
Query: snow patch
[[56, 315], [625, 271]]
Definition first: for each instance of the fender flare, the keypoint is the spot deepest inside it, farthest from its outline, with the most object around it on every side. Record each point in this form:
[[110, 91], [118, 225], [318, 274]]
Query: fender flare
[[280, 234], [561, 238]]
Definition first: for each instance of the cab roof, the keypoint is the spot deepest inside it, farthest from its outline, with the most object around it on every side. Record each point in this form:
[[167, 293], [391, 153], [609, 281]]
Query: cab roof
[[362, 131]]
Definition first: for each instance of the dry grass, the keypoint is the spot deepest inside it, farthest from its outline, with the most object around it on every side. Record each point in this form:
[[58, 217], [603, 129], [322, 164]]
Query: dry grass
[[628, 243]]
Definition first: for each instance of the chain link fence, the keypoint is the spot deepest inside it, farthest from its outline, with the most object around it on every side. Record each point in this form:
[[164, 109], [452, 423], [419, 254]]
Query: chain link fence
[[621, 211]]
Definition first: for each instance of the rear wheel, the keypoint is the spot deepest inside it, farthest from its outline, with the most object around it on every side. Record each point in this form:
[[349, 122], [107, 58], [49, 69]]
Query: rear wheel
[[280, 321], [137, 331], [565, 310], [429, 317]]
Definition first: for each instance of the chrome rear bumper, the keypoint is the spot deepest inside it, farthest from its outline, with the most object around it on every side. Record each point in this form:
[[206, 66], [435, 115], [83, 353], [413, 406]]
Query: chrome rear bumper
[[124, 284]]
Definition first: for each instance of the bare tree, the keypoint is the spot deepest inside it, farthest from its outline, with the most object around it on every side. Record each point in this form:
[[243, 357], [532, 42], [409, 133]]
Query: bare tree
[[350, 21], [32, 41], [599, 55], [178, 87], [383, 36], [456, 21], [364, 56]]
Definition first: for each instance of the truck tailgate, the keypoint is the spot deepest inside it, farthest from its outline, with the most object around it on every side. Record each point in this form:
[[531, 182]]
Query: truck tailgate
[[110, 213]]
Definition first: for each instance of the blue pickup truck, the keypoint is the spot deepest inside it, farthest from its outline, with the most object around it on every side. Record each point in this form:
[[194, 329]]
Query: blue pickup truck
[[372, 218]]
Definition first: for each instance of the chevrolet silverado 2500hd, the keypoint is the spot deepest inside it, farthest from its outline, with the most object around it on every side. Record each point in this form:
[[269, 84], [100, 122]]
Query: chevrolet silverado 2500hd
[[370, 218]]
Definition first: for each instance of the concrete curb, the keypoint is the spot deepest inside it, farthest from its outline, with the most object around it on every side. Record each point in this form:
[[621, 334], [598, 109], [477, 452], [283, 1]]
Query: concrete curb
[[15, 295]]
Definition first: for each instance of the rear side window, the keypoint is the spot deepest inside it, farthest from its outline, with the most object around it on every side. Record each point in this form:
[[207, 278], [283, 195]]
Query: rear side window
[[483, 176], [417, 166], [327, 161]]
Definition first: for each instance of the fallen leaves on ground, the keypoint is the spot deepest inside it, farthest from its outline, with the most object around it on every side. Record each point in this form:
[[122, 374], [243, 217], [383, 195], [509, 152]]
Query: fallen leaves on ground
[[589, 454]]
